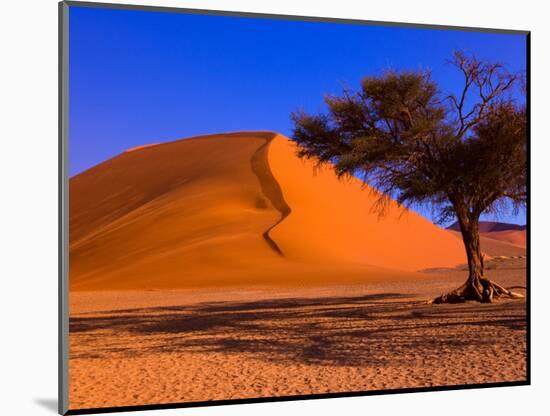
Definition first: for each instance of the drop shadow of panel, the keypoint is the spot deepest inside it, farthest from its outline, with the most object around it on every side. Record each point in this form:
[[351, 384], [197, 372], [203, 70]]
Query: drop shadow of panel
[[329, 331], [49, 404]]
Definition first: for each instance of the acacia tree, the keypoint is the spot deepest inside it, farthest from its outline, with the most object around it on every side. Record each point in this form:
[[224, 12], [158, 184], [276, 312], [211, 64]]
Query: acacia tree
[[465, 154]]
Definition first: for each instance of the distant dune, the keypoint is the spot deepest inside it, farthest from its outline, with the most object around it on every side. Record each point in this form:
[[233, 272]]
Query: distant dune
[[237, 209], [516, 237], [491, 226], [495, 247], [509, 233]]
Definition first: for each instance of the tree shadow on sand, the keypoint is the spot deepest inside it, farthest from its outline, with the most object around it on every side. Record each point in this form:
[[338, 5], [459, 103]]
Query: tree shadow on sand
[[335, 331]]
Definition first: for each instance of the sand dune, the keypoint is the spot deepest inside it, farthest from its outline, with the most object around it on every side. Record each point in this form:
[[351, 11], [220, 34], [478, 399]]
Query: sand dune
[[494, 247], [185, 213], [236, 209], [143, 146], [337, 219], [491, 226], [514, 234], [516, 237]]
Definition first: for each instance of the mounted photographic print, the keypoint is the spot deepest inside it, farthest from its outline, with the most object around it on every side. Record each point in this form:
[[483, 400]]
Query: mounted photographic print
[[263, 208]]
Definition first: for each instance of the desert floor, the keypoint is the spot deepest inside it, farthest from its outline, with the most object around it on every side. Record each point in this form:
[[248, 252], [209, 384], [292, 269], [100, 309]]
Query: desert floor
[[137, 348]]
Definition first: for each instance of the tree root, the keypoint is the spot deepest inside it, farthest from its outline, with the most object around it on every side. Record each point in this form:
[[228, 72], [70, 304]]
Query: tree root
[[482, 290]]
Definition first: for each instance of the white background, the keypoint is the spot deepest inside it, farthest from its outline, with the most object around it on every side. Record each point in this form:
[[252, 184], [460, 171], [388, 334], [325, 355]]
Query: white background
[[28, 205]]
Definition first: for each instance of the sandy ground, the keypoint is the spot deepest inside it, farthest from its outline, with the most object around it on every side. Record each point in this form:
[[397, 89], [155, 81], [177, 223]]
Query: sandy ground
[[224, 267], [136, 348]]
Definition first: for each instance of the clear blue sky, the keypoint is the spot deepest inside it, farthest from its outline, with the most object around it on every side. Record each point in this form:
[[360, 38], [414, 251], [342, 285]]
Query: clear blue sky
[[146, 77]]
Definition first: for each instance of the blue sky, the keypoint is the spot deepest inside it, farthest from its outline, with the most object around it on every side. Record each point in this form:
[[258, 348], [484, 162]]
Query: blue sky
[[146, 77]]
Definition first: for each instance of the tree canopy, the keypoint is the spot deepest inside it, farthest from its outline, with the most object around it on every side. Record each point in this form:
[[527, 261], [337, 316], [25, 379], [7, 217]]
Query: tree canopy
[[464, 153]]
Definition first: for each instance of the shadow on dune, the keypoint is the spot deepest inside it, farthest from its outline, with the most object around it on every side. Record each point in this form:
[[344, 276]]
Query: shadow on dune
[[270, 188], [337, 331]]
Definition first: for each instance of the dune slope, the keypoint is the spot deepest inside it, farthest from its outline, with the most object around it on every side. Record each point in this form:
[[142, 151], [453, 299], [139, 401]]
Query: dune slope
[[516, 237], [491, 226], [513, 234], [493, 247], [170, 215], [337, 218], [236, 209]]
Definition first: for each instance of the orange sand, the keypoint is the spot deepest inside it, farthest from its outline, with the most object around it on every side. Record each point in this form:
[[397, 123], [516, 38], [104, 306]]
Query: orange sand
[[223, 267], [336, 220], [493, 246], [220, 210], [143, 146], [516, 237], [135, 348]]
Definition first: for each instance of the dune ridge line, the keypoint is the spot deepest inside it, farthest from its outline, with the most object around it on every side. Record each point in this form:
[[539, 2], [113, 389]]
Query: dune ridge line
[[270, 188]]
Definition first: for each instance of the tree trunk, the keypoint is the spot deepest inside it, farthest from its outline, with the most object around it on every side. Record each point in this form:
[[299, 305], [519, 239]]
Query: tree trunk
[[470, 236], [477, 287]]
